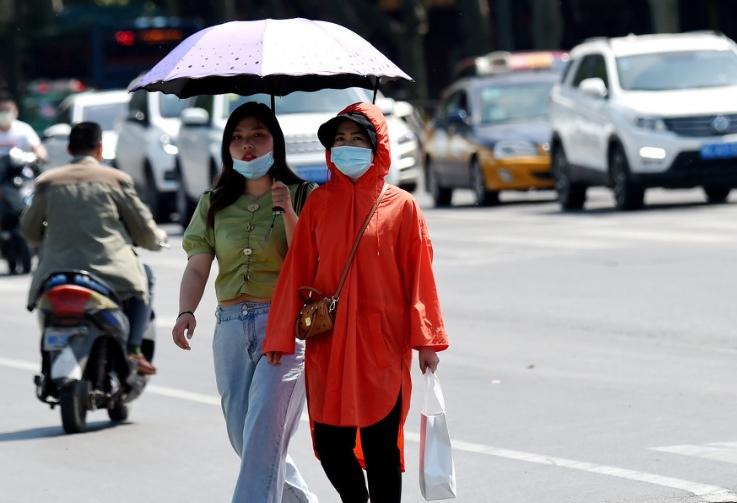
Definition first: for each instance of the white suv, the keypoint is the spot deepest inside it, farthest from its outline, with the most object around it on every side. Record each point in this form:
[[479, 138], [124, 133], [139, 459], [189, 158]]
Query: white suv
[[146, 148], [300, 114], [646, 111]]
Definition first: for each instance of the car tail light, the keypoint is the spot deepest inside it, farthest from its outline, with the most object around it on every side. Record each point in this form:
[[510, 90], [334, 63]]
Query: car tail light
[[68, 300]]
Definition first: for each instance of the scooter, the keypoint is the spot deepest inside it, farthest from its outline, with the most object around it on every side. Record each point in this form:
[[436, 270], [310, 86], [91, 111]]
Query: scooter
[[85, 364], [17, 172]]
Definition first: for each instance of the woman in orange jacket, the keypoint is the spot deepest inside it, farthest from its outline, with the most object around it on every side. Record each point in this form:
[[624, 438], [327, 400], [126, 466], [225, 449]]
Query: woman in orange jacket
[[358, 375]]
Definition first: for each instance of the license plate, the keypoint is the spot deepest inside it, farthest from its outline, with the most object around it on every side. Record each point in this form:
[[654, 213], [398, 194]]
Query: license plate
[[317, 174], [57, 338], [719, 151]]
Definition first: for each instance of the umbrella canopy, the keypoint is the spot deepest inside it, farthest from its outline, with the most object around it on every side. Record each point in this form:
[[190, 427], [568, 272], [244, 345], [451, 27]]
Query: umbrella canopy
[[269, 56]]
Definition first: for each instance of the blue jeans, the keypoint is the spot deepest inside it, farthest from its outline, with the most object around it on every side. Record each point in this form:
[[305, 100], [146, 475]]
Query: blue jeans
[[262, 404]]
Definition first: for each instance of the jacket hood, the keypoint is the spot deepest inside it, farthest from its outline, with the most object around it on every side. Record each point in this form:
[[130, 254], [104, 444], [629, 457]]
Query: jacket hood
[[382, 157]]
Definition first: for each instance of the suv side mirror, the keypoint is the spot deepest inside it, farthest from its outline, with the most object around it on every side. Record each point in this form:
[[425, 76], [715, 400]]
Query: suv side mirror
[[136, 116], [195, 117], [594, 87], [60, 131]]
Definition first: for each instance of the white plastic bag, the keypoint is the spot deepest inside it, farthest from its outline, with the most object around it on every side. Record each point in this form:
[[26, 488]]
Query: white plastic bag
[[437, 471]]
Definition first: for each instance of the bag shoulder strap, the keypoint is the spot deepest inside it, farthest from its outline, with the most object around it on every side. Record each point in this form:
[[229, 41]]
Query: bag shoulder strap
[[300, 196], [358, 239]]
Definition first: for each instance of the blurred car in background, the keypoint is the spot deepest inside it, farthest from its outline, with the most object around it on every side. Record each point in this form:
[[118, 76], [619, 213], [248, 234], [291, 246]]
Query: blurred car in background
[[300, 114], [146, 148], [646, 111], [491, 130], [42, 98], [106, 108]]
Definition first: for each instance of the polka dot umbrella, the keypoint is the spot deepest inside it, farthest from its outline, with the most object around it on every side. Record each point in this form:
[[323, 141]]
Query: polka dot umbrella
[[269, 56]]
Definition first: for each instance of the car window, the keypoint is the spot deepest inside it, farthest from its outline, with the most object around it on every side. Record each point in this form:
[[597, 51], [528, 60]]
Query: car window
[[170, 106], [514, 101], [64, 114], [593, 65], [322, 101], [204, 102], [677, 70], [566, 70], [106, 115], [455, 102]]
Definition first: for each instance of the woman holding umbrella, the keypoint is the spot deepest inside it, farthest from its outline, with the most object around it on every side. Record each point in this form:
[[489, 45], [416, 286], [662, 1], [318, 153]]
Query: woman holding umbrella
[[235, 223], [358, 377]]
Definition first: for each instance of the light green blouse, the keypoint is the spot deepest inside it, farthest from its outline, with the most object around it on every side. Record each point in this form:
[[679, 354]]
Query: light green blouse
[[249, 256]]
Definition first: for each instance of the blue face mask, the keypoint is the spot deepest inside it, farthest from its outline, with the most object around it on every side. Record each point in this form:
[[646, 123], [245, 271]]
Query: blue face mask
[[353, 162], [255, 168]]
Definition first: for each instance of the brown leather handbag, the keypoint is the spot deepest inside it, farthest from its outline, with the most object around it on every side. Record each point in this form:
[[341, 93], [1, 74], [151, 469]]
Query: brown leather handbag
[[318, 312]]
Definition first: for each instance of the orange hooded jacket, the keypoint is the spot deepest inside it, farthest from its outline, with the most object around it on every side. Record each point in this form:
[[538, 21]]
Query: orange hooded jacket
[[388, 306]]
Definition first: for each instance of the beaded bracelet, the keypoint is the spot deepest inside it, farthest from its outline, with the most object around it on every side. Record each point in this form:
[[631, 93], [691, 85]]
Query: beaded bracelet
[[185, 312]]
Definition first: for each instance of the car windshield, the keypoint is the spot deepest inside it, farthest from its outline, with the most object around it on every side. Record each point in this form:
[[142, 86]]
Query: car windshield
[[300, 102], [106, 115], [170, 106], [677, 70], [514, 101]]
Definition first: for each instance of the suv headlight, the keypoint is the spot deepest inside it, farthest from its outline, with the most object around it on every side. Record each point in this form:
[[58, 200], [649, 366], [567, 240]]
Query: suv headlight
[[651, 123], [516, 148], [167, 145]]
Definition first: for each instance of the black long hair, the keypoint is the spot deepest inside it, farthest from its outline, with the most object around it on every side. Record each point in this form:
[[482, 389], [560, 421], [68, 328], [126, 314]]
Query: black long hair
[[230, 185]]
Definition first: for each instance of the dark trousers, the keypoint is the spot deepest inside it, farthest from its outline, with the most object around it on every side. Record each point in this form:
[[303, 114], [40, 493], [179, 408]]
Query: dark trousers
[[334, 445], [138, 313]]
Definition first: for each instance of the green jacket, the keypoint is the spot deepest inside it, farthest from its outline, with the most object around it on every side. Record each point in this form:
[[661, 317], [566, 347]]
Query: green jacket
[[88, 216]]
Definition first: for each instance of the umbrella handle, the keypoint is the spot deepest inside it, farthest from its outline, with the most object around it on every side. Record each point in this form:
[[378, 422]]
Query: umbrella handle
[[376, 89]]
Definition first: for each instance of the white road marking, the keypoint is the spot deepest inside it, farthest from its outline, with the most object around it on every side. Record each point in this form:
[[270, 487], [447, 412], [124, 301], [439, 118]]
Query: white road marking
[[15, 286], [20, 364], [718, 451], [708, 493]]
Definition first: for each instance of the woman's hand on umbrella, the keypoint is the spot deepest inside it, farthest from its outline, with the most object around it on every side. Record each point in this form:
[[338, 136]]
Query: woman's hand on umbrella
[[184, 330], [428, 359], [273, 357], [280, 196]]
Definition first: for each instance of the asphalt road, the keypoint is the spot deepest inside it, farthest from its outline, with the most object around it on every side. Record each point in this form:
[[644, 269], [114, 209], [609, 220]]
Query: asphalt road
[[592, 360]]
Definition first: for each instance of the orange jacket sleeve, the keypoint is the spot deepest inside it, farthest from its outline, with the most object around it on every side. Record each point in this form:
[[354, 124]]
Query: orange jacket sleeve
[[426, 321], [298, 270]]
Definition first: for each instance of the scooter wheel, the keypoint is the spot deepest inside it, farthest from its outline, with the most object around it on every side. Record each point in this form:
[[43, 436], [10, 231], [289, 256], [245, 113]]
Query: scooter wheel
[[74, 398]]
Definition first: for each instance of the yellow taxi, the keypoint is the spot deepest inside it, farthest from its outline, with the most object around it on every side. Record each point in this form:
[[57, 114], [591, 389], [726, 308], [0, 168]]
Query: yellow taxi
[[491, 131]]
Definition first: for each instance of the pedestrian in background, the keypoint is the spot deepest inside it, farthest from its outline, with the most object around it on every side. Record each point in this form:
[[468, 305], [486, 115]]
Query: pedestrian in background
[[16, 133], [235, 223], [358, 375]]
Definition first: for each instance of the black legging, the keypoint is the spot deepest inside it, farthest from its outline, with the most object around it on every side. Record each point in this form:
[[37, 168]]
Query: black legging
[[334, 445]]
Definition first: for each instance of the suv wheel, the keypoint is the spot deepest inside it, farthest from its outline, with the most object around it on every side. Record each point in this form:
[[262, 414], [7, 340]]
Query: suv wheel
[[150, 195], [441, 195], [627, 194], [185, 204], [717, 195], [571, 195], [478, 184], [409, 186]]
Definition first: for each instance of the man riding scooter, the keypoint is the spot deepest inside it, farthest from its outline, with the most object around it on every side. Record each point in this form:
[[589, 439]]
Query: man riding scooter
[[88, 216]]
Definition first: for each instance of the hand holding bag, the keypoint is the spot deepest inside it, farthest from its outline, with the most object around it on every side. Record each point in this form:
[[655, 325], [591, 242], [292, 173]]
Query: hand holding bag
[[318, 312], [437, 471]]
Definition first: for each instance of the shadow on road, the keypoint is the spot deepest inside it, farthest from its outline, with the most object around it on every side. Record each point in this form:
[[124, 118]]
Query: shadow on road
[[52, 431]]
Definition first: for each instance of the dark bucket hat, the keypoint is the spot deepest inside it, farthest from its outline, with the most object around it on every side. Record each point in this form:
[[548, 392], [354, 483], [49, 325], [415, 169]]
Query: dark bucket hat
[[326, 132]]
